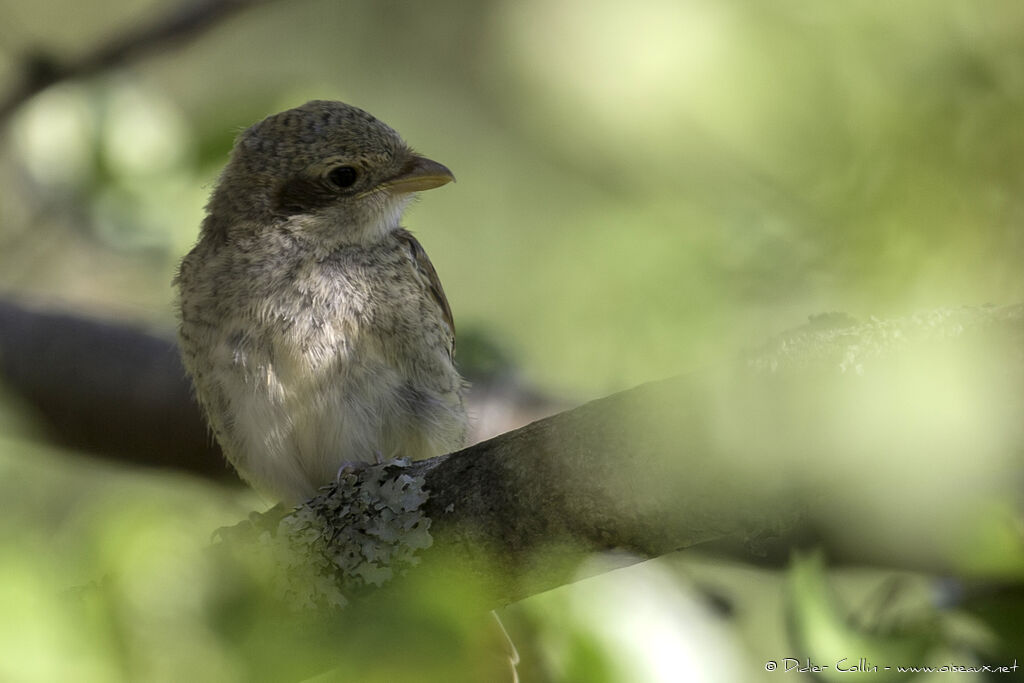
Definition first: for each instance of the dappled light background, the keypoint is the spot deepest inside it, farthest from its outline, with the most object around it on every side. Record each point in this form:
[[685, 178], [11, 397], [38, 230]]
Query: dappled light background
[[639, 185], [643, 188]]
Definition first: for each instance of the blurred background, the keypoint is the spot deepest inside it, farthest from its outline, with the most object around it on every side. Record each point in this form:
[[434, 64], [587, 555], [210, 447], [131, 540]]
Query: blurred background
[[643, 189]]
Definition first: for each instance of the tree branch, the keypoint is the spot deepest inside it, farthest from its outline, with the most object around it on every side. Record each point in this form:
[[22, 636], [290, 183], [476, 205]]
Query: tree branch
[[41, 69], [107, 389], [893, 439]]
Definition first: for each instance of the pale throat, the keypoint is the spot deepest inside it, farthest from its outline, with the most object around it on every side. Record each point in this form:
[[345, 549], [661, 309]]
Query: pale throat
[[386, 219], [326, 232]]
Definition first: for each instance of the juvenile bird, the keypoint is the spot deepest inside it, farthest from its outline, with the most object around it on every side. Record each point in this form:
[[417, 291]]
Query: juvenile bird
[[313, 325]]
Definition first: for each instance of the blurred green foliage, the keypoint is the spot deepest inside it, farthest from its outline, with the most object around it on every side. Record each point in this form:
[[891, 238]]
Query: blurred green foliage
[[639, 185], [642, 187]]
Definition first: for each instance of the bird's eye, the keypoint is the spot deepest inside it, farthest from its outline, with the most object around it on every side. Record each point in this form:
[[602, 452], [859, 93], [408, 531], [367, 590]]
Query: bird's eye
[[342, 176]]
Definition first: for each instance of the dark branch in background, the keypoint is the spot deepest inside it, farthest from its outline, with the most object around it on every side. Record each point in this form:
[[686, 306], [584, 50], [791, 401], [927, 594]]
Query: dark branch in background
[[107, 389], [42, 69], [120, 392]]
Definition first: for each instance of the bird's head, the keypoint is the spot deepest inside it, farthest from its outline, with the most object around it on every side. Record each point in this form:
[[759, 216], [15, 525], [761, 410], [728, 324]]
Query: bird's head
[[327, 170]]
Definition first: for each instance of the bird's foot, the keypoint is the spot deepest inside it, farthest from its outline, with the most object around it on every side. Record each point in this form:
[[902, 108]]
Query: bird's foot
[[357, 466], [351, 467]]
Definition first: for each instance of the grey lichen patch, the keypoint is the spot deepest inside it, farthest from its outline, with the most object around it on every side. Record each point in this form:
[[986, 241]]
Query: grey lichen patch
[[840, 342], [360, 531]]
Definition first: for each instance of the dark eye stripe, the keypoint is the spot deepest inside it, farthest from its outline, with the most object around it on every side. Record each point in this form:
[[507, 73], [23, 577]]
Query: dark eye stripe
[[301, 195]]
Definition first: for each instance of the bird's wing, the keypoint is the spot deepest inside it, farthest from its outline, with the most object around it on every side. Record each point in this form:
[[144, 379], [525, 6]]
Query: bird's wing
[[429, 276]]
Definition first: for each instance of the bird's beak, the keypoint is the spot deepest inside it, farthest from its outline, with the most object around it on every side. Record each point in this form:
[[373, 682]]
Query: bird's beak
[[418, 174]]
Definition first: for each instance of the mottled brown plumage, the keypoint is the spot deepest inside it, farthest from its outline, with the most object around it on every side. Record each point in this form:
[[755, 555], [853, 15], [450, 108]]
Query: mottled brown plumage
[[314, 327]]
